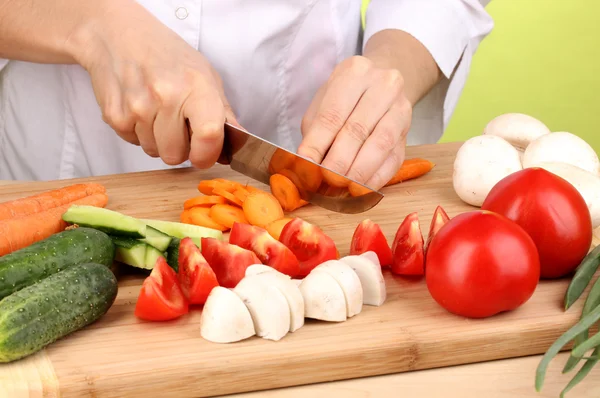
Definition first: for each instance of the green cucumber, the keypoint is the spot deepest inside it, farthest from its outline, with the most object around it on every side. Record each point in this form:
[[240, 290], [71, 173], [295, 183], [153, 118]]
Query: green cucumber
[[63, 303], [173, 254], [156, 238], [109, 221], [41, 259], [181, 230], [136, 253]]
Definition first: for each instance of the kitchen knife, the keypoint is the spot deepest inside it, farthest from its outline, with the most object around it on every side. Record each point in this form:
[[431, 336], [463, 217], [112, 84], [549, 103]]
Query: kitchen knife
[[258, 159]]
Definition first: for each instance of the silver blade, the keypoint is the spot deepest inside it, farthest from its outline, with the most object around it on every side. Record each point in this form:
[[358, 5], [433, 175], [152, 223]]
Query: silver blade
[[257, 158]]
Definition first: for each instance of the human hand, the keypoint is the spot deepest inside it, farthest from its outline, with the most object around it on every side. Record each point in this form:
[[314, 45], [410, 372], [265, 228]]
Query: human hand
[[357, 123], [154, 89]]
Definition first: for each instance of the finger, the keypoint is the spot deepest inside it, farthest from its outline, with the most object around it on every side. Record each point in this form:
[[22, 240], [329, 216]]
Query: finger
[[380, 145], [206, 115], [142, 107], [389, 167], [231, 119], [309, 115], [373, 105]]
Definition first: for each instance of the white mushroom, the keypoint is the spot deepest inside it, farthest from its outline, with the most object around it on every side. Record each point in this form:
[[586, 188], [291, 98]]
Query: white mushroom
[[225, 318], [372, 257], [516, 128], [348, 281], [588, 184], [323, 298], [480, 163], [291, 292], [562, 147], [256, 269], [371, 278]]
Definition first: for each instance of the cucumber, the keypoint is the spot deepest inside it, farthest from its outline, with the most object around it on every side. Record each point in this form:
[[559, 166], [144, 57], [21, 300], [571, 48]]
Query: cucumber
[[40, 314], [156, 238], [173, 254], [109, 221], [181, 230], [135, 252], [41, 259]]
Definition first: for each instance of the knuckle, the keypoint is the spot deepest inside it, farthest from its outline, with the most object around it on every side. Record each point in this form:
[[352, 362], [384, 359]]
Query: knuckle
[[139, 106], [357, 130], [331, 119], [338, 165], [393, 78], [386, 139], [360, 175], [311, 151], [360, 65], [117, 120], [173, 159], [211, 130], [165, 92]]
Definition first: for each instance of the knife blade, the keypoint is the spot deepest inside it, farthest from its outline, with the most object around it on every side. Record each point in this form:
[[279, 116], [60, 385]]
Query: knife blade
[[258, 159]]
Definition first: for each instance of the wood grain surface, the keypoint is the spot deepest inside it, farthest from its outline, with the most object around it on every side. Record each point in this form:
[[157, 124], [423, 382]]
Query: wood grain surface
[[121, 356]]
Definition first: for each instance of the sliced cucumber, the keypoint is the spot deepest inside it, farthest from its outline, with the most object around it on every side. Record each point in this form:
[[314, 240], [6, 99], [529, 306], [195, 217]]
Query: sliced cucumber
[[156, 238], [136, 253], [173, 254], [181, 230], [109, 221]]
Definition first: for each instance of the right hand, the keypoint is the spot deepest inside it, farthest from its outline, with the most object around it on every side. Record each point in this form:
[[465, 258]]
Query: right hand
[[150, 84]]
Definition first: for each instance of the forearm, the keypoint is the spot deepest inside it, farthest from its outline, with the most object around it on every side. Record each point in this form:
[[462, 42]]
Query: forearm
[[392, 48]]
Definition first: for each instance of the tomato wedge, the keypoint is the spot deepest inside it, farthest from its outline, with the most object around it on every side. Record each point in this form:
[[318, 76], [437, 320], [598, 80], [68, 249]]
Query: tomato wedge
[[161, 298], [308, 243], [437, 222], [368, 236], [196, 277], [407, 248], [269, 250], [229, 262]]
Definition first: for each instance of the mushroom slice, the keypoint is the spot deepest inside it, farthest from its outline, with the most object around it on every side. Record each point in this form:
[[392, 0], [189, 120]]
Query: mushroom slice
[[225, 318], [348, 281], [323, 297], [256, 269], [292, 294], [371, 279]]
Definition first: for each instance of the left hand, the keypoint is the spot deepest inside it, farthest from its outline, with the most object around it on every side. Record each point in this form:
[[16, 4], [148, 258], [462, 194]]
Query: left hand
[[357, 123]]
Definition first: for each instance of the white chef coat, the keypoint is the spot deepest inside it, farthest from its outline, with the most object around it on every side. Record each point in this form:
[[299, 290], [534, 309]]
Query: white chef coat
[[272, 56]]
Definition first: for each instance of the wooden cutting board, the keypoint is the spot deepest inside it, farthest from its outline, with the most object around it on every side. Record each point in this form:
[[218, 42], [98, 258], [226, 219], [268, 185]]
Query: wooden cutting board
[[121, 356]]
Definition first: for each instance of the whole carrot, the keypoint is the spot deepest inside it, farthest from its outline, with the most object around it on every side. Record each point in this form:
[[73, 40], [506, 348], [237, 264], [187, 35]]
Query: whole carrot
[[48, 200], [19, 232]]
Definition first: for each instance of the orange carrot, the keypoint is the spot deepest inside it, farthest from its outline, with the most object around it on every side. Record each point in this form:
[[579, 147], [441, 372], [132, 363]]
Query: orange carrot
[[48, 200], [334, 180], [285, 192], [280, 160], [411, 168], [251, 189], [205, 201], [228, 196], [357, 189], [274, 228], [184, 217], [226, 215], [228, 185], [261, 208], [19, 232], [206, 186], [201, 216], [241, 194], [309, 174], [295, 180]]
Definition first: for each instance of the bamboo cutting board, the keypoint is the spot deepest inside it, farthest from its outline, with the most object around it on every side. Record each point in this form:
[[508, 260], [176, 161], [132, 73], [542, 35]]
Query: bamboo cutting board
[[120, 356]]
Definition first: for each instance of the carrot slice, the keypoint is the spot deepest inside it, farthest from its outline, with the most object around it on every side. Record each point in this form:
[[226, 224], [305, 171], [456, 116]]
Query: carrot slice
[[206, 201], [357, 189], [19, 232], [280, 160], [201, 216], [241, 194], [226, 215], [261, 208], [285, 192], [228, 185], [295, 180], [334, 180], [309, 174], [228, 196], [206, 186], [411, 168], [274, 228]]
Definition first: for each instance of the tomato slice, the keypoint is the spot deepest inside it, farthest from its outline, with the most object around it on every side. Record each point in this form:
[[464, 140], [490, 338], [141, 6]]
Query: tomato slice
[[196, 277], [437, 222], [161, 298], [407, 248], [229, 262], [269, 250], [368, 236], [308, 243]]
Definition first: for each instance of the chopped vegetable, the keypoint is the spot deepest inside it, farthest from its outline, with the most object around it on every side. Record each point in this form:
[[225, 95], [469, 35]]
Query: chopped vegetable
[[229, 196], [262, 208], [280, 160], [308, 173], [225, 318], [323, 298], [206, 200], [229, 262], [335, 180], [275, 227], [368, 236], [195, 275], [411, 168], [370, 275], [407, 248], [227, 215], [285, 192], [201, 216], [437, 222], [345, 276]]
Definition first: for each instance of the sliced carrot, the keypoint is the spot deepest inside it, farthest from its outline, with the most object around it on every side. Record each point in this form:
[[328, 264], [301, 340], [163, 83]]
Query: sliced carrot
[[274, 228], [295, 180], [226, 215], [309, 174], [48, 200], [184, 217], [228, 196], [285, 192], [411, 168], [241, 194], [302, 203], [205, 201], [228, 185], [334, 180], [201, 216], [206, 186], [357, 189], [261, 208], [280, 160], [19, 232], [251, 189]]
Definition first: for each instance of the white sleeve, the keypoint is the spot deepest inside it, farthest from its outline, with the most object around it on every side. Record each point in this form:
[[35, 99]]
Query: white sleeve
[[451, 30], [3, 63]]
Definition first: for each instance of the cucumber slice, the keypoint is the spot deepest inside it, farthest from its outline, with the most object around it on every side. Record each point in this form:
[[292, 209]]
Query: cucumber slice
[[156, 238], [181, 230], [173, 254], [109, 221], [136, 253]]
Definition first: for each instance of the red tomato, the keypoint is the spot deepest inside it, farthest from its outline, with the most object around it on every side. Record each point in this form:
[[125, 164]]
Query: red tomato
[[437, 222], [552, 212], [308, 243], [196, 277], [369, 237], [481, 264], [229, 262], [269, 250], [161, 298], [407, 248]]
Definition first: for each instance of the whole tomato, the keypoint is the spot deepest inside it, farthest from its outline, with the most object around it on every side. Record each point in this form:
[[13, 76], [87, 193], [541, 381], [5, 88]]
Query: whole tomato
[[552, 212], [480, 264]]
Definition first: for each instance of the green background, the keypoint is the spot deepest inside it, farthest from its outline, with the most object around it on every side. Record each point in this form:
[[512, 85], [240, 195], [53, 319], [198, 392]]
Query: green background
[[542, 59]]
